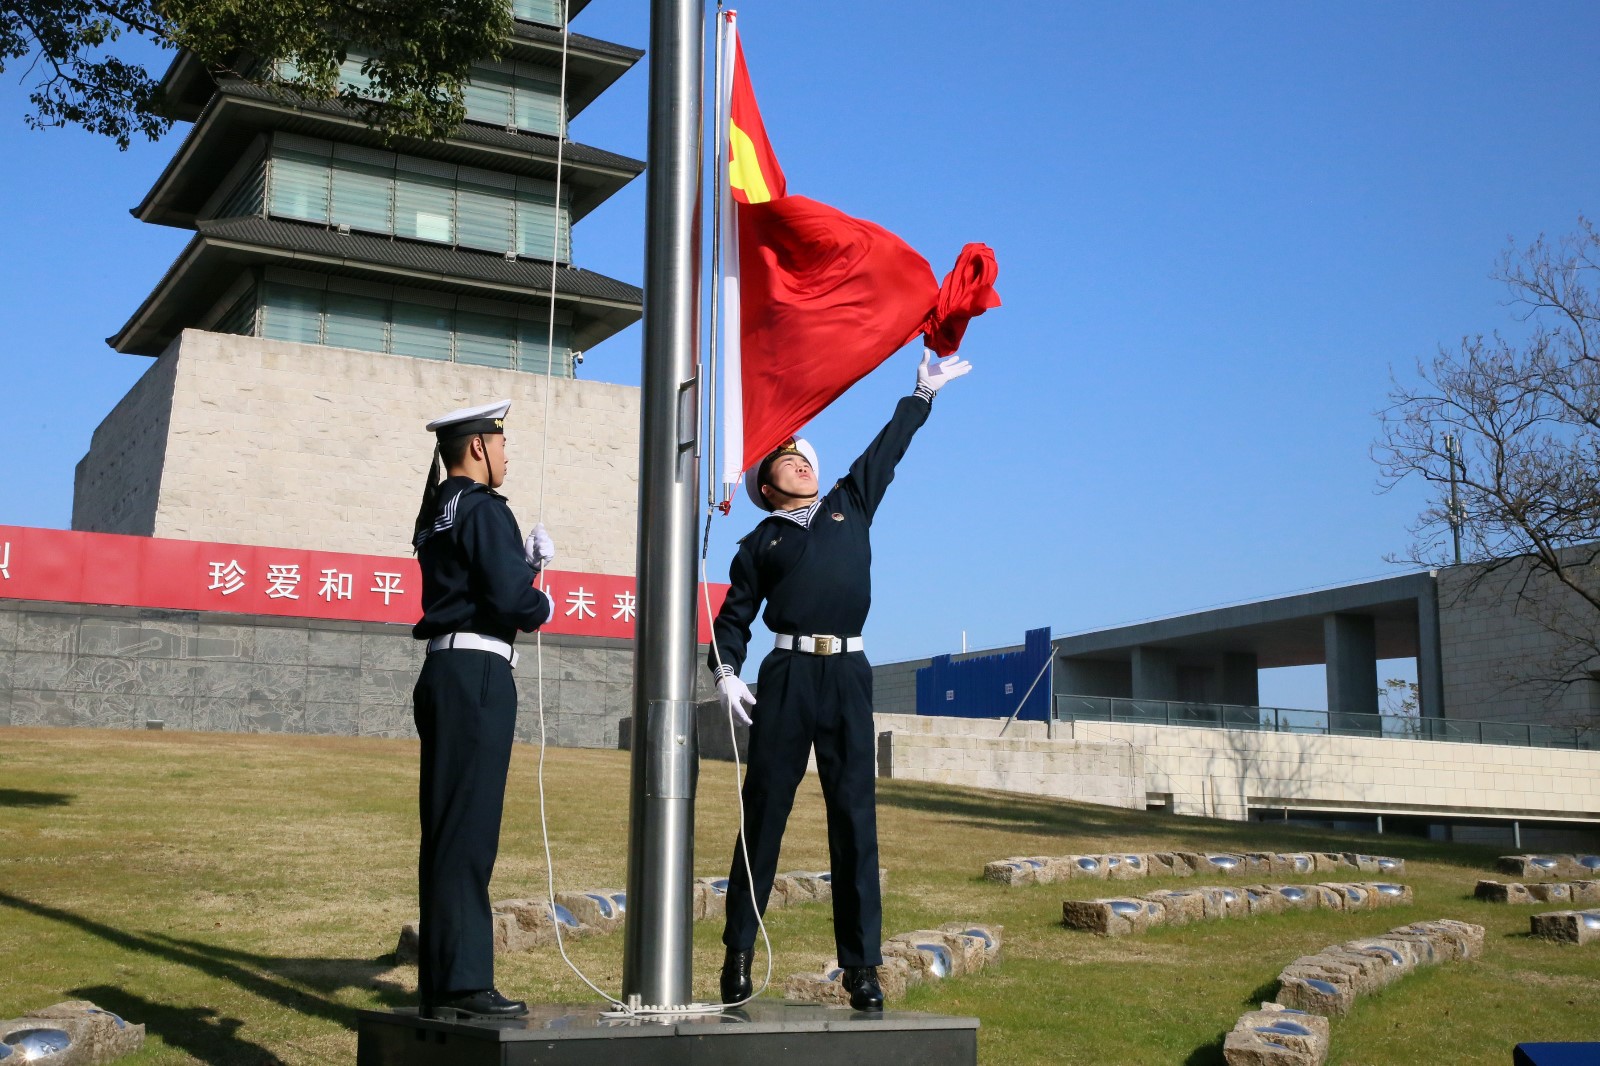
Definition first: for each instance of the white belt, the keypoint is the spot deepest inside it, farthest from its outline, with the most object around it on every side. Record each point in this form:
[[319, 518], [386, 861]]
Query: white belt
[[818, 644], [474, 642]]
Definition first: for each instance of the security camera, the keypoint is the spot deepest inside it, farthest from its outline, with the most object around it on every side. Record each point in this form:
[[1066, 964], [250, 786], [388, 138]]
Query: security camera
[[577, 357]]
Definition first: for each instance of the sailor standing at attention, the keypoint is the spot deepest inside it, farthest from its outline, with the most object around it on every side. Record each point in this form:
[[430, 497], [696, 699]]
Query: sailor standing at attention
[[477, 592], [810, 559]]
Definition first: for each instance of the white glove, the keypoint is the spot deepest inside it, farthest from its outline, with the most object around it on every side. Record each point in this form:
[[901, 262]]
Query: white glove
[[539, 548], [735, 697], [934, 376]]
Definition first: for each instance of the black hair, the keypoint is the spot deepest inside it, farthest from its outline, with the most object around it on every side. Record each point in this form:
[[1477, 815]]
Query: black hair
[[446, 454]]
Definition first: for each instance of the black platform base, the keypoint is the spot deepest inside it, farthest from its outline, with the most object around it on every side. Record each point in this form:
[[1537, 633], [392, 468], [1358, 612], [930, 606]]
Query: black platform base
[[772, 1033]]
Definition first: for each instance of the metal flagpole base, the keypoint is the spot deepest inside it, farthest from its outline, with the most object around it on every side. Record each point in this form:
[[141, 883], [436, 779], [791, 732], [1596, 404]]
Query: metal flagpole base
[[772, 1032]]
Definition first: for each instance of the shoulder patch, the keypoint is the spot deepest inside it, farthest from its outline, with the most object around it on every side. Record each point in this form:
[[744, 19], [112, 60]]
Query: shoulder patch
[[448, 513]]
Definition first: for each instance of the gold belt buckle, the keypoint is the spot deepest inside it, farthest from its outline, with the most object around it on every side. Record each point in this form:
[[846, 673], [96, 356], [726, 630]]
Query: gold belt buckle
[[823, 645]]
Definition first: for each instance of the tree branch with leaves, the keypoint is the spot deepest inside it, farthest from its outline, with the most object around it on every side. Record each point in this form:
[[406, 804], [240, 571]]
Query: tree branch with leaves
[[416, 56]]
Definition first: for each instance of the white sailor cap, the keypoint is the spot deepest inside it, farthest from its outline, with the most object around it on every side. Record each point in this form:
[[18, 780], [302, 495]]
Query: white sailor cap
[[753, 479], [487, 418]]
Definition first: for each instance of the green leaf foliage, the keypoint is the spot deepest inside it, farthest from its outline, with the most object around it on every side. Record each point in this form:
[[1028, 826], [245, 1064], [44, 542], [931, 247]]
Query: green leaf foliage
[[418, 56]]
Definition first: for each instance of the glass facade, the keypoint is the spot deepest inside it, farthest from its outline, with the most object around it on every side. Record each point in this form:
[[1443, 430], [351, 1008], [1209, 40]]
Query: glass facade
[[284, 311], [515, 95], [545, 11], [404, 196]]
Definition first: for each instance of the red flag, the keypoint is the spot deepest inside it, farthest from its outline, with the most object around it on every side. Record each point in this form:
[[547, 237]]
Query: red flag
[[822, 298]]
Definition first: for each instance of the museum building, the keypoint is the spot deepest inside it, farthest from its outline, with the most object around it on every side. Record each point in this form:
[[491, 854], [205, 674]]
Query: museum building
[[337, 293]]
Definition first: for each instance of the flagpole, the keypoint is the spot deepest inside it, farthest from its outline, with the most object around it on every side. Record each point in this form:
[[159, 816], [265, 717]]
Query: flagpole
[[658, 947], [717, 180]]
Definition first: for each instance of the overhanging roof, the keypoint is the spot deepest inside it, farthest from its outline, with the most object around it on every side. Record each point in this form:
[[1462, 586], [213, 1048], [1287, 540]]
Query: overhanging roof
[[239, 111], [593, 66], [1286, 631], [210, 263]]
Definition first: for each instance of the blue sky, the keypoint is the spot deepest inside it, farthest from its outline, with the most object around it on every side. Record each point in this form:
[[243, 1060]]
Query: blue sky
[[1218, 227]]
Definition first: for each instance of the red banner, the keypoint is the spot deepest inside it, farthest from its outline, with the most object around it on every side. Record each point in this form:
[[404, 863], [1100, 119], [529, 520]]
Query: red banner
[[192, 575]]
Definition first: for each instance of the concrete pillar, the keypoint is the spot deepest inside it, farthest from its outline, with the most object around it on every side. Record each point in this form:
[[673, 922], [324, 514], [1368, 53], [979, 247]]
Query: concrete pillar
[[1430, 664], [1155, 674], [1351, 646], [1241, 681]]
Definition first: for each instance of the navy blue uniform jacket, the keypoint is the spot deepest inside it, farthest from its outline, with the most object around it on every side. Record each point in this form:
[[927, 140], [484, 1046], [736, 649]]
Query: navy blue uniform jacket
[[816, 579], [475, 576]]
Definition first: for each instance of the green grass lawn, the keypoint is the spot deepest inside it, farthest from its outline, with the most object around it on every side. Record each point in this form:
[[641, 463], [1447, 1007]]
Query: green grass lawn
[[241, 896]]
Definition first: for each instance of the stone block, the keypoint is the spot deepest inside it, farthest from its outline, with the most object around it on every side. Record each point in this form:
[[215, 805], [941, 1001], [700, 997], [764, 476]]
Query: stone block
[[1502, 892], [937, 954], [1168, 864], [1296, 897], [1586, 891], [810, 886], [73, 1033], [990, 938], [1225, 864], [1453, 940], [1112, 917], [1086, 867], [710, 897], [1011, 872], [1125, 867], [1296, 863], [1551, 891], [1195, 861], [1315, 992], [1537, 867], [601, 908], [1330, 861], [1387, 893], [1572, 927], [1179, 906], [333, 647], [1353, 897], [1261, 899], [1224, 902], [1277, 1036]]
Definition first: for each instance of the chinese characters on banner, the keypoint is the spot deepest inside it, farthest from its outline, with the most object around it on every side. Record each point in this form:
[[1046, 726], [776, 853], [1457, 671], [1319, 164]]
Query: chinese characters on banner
[[53, 564]]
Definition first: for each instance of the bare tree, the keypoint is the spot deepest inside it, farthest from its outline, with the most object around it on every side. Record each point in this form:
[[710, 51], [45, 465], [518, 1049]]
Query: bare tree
[[1511, 429]]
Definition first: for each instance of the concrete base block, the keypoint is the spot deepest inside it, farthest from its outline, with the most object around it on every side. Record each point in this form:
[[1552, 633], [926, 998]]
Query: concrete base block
[[1572, 927], [72, 1033], [1277, 1036]]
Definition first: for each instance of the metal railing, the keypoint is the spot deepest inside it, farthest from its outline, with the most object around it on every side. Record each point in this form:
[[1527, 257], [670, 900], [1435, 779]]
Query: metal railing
[[1325, 723]]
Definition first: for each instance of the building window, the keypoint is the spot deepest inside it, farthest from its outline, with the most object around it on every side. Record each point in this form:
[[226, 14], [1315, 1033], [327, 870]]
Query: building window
[[281, 311], [405, 196], [545, 11], [523, 96]]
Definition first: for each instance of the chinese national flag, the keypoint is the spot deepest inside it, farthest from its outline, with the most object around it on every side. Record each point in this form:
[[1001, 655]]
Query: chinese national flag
[[816, 299]]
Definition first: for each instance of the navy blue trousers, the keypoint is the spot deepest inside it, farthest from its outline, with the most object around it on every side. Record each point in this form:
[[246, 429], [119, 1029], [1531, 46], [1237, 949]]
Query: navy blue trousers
[[803, 701], [465, 705]]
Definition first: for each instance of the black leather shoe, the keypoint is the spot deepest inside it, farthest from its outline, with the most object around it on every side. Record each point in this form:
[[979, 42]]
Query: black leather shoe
[[488, 1003], [736, 984], [862, 984]]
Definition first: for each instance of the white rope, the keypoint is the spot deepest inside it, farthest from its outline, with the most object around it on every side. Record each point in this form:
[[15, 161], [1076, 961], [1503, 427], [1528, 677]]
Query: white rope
[[544, 453]]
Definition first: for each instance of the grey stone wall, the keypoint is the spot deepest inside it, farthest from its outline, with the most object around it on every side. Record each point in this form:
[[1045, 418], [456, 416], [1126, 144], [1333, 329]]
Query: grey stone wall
[[121, 667], [116, 486], [1502, 642]]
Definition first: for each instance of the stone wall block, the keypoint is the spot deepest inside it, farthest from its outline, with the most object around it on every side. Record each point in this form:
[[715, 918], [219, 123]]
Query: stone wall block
[[334, 647], [1572, 927], [1277, 1036], [94, 1036]]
